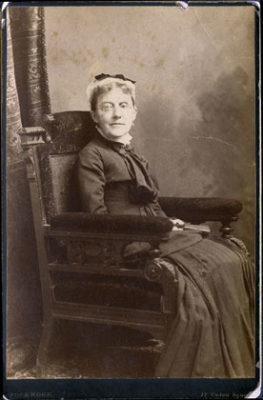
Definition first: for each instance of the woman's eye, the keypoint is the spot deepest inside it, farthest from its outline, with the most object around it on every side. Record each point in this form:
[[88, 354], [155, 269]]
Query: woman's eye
[[124, 105], [107, 107]]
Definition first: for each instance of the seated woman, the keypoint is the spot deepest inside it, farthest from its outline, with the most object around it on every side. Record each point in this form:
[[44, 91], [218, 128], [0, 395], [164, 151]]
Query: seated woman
[[212, 331]]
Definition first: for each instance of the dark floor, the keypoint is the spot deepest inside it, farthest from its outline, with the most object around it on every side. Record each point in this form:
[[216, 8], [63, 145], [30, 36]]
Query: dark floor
[[80, 350]]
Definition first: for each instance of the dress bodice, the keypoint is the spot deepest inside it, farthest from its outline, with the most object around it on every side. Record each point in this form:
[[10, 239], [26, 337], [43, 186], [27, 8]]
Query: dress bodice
[[115, 179]]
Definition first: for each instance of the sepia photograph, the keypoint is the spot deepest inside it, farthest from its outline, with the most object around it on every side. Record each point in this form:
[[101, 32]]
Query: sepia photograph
[[131, 199]]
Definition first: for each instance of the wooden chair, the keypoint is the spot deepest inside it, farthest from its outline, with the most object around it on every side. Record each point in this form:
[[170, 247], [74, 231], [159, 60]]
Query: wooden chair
[[84, 272]]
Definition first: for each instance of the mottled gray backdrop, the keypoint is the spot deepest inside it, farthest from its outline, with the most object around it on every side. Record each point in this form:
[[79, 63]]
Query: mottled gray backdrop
[[195, 88]]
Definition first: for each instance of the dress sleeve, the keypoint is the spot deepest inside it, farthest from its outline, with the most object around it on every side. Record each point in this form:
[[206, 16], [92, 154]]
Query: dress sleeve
[[91, 181], [155, 204]]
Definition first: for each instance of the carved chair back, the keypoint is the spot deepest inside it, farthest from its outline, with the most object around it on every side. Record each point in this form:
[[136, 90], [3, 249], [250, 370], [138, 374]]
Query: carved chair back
[[68, 134]]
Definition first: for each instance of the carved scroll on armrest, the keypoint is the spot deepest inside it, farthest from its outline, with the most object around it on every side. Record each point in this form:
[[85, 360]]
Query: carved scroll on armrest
[[162, 271]]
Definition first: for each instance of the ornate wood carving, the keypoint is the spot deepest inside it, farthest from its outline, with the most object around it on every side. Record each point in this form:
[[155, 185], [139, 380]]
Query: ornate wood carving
[[226, 229], [28, 37], [162, 271], [104, 253], [33, 136]]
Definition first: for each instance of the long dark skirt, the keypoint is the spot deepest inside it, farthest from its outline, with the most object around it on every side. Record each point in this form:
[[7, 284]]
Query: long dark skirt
[[212, 334]]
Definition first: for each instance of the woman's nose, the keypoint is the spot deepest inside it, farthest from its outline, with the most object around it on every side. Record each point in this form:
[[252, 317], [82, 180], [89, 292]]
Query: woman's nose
[[116, 112]]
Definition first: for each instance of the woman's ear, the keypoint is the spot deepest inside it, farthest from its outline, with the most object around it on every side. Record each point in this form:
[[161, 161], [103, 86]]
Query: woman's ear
[[93, 116]]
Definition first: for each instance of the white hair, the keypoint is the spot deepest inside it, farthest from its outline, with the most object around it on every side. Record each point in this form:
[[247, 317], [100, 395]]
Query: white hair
[[95, 83]]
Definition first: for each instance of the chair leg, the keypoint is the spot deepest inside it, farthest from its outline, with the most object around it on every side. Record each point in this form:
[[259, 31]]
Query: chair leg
[[41, 362]]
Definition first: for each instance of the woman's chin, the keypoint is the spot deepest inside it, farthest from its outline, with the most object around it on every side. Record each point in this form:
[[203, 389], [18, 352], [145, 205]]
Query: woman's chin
[[116, 134]]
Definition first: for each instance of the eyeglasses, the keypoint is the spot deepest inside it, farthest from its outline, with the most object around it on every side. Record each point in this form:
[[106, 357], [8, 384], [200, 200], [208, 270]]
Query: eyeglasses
[[100, 77]]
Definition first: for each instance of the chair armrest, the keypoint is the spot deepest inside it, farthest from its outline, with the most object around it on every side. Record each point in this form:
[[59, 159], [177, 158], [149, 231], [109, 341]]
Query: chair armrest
[[200, 209], [109, 224]]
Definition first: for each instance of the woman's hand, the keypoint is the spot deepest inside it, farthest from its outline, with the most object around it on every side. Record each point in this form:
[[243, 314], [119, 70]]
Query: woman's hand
[[178, 224]]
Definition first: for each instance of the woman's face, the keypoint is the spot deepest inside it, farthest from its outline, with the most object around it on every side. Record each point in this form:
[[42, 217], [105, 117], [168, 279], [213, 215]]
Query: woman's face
[[115, 113]]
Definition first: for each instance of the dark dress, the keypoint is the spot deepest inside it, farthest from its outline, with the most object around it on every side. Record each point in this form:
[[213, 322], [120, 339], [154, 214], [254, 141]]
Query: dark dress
[[212, 334]]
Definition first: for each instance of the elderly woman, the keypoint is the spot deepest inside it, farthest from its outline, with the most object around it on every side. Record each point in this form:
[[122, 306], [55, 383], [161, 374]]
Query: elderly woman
[[212, 332]]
